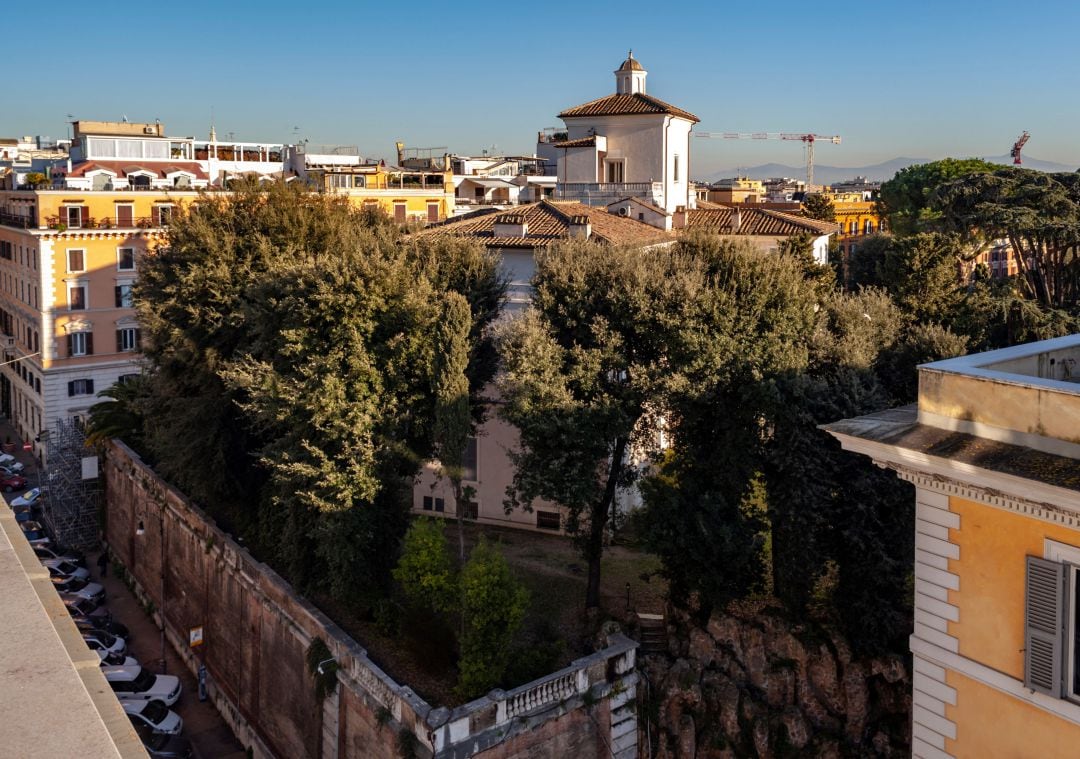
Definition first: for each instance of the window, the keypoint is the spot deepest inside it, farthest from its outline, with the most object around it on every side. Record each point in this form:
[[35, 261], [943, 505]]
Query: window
[[868, 227], [127, 339], [76, 297], [80, 387], [125, 215], [469, 464], [81, 344], [432, 212], [470, 509], [676, 167], [399, 213], [74, 216], [614, 171], [162, 215], [76, 260], [123, 295], [547, 520], [436, 504], [124, 379], [125, 259], [1052, 622]]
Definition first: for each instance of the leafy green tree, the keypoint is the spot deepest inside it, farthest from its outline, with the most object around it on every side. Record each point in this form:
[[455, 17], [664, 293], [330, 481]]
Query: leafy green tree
[[1039, 215], [905, 199], [425, 569], [494, 607], [121, 415], [587, 371], [290, 339], [820, 207], [453, 420]]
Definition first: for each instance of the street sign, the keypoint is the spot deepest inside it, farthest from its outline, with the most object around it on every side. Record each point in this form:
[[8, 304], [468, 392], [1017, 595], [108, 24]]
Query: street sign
[[195, 636], [28, 446]]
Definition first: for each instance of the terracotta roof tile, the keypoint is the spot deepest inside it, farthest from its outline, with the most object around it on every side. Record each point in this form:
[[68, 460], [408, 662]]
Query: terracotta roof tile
[[627, 104], [581, 142], [122, 168], [755, 221], [549, 222]]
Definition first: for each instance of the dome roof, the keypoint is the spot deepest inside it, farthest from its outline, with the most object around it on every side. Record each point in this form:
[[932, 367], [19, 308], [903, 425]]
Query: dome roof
[[631, 64]]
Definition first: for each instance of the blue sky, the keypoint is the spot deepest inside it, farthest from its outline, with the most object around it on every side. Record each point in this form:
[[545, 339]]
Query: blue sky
[[917, 79]]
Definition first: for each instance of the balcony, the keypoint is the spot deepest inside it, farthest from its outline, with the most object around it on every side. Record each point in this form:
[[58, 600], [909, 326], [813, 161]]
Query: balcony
[[143, 222], [602, 193], [17, 220]]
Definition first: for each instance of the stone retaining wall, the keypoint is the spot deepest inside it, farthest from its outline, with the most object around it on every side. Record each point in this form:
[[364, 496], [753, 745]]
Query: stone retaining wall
[[256, 631]]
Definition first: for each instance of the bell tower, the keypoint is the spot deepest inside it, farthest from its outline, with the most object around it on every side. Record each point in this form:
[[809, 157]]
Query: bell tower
[[630, 76]]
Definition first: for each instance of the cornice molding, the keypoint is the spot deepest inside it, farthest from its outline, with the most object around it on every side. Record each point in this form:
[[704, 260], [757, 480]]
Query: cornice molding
[[1046, 511]]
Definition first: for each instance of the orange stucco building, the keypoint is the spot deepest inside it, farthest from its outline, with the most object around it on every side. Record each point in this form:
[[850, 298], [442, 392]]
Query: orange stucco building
[[993, 449]]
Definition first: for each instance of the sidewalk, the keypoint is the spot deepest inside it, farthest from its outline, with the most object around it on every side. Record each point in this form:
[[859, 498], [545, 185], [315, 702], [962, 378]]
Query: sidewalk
[[203, 725]]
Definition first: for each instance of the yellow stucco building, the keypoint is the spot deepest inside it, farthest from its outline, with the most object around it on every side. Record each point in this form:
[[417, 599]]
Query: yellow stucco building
[[993, 449], [68, 261], [406, 195]]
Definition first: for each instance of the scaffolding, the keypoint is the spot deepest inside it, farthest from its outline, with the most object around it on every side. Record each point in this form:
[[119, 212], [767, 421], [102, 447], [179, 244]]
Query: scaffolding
[[70, 485]]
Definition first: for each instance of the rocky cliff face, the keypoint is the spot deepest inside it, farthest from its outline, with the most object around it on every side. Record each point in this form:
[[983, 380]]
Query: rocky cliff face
[[753, 684]]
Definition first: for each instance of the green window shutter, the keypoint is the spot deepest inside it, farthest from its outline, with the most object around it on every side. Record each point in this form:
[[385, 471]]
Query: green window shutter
[[1044, 621]]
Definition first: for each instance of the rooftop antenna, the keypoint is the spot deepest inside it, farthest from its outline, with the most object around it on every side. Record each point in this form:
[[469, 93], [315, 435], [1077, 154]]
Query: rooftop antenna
[[70, 119], [213, 130], [123, 118]]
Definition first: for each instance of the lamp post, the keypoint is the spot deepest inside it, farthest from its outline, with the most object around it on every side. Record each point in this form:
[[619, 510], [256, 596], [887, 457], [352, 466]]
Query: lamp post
[[140, 531]]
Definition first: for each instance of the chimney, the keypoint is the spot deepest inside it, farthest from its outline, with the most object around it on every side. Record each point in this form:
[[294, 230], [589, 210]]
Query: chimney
[[678, 219], [580, 228], [736, 220], [511, 225]]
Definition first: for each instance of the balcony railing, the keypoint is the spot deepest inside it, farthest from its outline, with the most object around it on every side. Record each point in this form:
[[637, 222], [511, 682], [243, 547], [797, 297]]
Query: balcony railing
[[16, 220], [142, 222], [595, 192]]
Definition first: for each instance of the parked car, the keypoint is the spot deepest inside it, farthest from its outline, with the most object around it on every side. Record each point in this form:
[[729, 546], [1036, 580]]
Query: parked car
[[29, 498], [64, 568], [140, 684], [104, 642], [161, 745], [23, 513], [116, 660], [59, 552], [85, 625], [155, 715], [12, 482], [35, 533], [9, 461], [81, 607], [79, 586]]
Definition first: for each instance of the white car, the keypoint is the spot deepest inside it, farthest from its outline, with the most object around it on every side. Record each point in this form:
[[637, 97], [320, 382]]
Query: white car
[[8, 461], [29, 498], [77, 586], [117, 660], [139, 684], [65, 568], [159, 717], [105, 643]]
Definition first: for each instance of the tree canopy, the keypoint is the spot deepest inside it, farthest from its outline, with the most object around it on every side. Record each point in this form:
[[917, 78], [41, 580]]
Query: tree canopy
[[291, 340], [905, 199]]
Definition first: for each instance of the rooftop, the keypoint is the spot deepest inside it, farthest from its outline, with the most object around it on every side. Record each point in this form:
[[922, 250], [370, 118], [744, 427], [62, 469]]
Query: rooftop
[[1009, 413], [548, 222], [755, 221], [637, 103]]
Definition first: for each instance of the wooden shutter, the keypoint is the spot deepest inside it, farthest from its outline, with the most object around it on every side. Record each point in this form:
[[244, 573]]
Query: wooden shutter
[[119, 340], [1044, 617], [71, 345], [86, 220], [71, 389], [89, 343], [138, 339], [119, 296], [124, 216], [89, 387]]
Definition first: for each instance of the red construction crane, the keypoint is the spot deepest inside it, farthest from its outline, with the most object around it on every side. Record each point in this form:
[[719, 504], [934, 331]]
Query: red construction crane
[[1018, 146], [806, 139]]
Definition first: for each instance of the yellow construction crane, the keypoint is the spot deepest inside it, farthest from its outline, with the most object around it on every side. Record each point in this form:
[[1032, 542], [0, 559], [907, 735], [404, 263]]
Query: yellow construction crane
[[806, 138]]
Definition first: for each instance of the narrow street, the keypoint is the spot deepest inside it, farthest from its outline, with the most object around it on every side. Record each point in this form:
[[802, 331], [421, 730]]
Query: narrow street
[[203, 725]]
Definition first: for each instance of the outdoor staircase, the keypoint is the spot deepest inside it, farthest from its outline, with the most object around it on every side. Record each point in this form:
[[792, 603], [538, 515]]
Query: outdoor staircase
[[653, 634]]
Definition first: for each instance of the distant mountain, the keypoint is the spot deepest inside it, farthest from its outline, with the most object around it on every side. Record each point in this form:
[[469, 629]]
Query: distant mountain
[[877, 172]]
